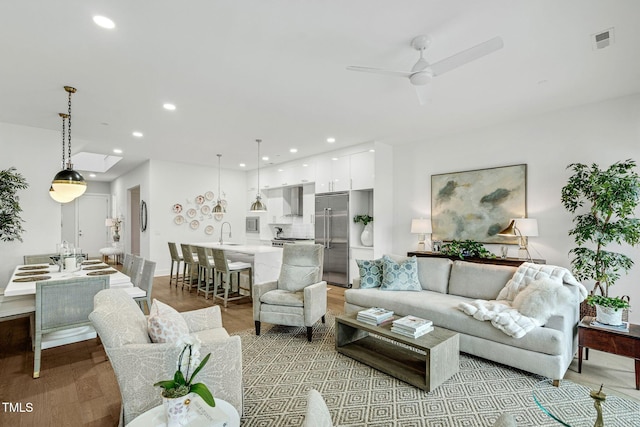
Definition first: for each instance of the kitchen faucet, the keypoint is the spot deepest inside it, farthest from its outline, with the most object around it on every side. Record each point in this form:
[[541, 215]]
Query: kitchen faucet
[[222, 228]]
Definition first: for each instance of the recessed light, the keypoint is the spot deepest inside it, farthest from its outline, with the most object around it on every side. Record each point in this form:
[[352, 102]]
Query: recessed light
[[331, 140], [104, 22], [304, 165], [169, 107], [372, 151], [265, 158], [92, 175], [293, 150], [334, 158], [117, 151], [242, 165], [280, 170], [137, 134]]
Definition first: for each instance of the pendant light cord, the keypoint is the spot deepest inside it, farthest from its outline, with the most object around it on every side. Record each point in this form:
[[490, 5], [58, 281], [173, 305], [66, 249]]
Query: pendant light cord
[[258, 141], [64, 123]]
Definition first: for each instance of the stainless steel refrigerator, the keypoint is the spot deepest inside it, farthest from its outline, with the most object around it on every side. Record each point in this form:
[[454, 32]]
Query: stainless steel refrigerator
[[332, 231]]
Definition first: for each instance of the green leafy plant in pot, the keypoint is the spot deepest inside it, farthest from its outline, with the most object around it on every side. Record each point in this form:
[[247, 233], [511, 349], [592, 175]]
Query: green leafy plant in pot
[[609, 198], [367, 233], [466, 248]]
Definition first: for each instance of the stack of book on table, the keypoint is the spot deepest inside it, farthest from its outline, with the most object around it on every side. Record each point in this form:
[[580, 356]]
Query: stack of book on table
[[374, 316], [624, 327], [412, 326]]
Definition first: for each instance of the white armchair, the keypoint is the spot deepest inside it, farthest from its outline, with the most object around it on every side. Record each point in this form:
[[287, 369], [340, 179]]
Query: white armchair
[[299, 296], [138, 363]]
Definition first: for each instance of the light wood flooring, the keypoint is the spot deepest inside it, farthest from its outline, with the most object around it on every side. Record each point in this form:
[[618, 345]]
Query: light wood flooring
[[77, 386]]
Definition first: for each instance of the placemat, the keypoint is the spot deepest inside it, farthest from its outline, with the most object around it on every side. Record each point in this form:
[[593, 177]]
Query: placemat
[[33, 267], [32, 273], [32, 279], [96, 267], [101, 273], [91, 262]]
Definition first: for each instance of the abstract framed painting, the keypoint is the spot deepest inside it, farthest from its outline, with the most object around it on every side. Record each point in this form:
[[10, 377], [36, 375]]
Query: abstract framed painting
[[477, 204]]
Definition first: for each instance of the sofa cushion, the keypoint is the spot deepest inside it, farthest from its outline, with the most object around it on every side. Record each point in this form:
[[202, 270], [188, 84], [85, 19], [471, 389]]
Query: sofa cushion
[[370, 272], [165, 324], [282, 297], [401, 276], [433, 273], [115, 306], [479, 281]]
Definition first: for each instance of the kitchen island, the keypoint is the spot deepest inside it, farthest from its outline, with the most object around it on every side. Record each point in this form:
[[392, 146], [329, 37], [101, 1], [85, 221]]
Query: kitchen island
[[265, 260]]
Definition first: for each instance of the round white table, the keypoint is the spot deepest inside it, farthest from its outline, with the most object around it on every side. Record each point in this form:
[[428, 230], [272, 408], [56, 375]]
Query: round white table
[[200, 414]]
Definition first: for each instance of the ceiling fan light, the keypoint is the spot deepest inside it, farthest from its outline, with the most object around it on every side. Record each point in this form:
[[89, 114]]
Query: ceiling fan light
[[421, 78]]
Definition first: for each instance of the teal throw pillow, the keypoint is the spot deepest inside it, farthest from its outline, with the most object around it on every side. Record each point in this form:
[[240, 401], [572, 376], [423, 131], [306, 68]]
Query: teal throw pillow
[[400, 276], [370, 273]]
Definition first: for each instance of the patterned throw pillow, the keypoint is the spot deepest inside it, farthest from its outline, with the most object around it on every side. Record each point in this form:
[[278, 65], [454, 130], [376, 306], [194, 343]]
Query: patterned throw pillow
[[370, 273], [165, 324], [400, 276]]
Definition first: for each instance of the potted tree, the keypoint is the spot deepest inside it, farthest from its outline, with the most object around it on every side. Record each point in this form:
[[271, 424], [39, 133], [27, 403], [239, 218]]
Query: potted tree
[[10, 221], [610, 197]]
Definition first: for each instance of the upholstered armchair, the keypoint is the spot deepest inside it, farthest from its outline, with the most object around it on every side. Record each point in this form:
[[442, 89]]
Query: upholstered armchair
[[139, 363], [299, 296]]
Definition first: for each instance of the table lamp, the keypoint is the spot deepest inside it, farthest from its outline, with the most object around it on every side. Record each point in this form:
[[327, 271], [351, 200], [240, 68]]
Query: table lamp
[[421, 227], [523, 228]]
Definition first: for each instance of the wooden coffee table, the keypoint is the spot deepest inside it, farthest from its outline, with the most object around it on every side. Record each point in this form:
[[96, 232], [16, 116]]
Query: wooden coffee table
[[424, 362], [620, 343]]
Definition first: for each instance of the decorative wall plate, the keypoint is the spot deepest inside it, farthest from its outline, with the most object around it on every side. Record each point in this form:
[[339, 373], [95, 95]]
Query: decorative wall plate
[[179, 220], [218, 216], [177, 208], [192, 213], [194, 224], [209, 229], [209, 195], [205, 209], [200, 199]]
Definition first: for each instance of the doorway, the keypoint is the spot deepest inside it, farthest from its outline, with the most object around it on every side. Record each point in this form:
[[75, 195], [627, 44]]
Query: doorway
[[134, 224], [83, 223]]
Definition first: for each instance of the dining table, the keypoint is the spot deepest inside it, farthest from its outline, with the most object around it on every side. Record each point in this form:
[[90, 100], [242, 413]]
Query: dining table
[[23, 282]]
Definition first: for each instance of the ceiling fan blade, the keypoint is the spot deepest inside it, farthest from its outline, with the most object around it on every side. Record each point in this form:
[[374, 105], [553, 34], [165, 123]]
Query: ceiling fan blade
[[424, 93], [379, 71], [467, 55]]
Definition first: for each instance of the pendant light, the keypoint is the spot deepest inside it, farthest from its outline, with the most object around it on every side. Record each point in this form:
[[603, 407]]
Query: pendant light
[[59, 197], [218, 208], [68, 182], [258, 206]]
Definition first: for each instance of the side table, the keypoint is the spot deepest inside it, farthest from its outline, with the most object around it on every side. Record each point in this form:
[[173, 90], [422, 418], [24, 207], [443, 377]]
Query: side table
[[620, 343], [200, 415]]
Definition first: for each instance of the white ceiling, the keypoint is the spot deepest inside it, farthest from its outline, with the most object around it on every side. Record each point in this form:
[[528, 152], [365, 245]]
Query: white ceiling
[[275, 69]]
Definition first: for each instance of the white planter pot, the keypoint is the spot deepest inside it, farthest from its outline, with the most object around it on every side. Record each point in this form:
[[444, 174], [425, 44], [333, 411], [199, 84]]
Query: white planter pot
[[608, 315], [177, 410], [367, 235]]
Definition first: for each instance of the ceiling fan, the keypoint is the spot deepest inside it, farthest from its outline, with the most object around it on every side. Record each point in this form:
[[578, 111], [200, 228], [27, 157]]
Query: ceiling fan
[[423, 72]]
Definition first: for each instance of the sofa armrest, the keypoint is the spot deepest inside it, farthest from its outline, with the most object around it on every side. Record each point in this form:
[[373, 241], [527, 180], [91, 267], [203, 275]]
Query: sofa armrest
[[260, 289], [315, 302], [138, 366], [205, 318]]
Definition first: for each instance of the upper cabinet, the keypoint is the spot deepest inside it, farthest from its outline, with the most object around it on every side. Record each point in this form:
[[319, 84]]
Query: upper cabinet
[[362, 166], [333, 174]]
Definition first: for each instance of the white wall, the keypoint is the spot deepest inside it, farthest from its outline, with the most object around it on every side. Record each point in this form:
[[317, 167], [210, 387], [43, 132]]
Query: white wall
[[36, 155], [600, 133]]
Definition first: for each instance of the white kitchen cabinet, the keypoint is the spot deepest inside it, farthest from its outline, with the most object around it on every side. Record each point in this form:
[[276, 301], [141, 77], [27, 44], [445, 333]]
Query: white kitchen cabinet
[[362, 167], [275, 207], [332, 174], [308, 204]]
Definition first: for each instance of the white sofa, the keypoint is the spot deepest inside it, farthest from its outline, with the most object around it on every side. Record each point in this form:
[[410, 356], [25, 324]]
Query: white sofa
[[546, 350], [138, 363]]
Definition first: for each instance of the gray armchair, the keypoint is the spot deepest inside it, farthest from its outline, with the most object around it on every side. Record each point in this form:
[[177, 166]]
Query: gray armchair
[[299, 296], [139, 363]]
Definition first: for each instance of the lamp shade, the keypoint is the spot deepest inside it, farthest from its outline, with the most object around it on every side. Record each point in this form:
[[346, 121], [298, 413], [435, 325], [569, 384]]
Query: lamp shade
[[69, 183], [60, 197], [527, 226], [109, 222], [258, 206], [421, 226]]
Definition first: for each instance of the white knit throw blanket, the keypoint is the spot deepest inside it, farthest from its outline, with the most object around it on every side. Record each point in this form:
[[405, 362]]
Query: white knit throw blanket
[[539, 301]]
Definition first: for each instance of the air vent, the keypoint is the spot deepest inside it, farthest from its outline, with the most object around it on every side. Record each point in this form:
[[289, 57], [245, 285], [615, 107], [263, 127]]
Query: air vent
[[603, 39]]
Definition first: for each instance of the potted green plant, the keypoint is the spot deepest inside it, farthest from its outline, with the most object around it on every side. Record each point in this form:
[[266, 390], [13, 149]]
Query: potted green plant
[[466, 248], [606, 201], [367, 232], [10, 221]]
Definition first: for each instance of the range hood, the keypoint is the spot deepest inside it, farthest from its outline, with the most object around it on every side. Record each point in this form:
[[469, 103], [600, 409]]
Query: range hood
[[292, 201]]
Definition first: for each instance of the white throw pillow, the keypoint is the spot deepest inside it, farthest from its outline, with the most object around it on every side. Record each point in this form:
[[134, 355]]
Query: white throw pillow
[[540, 298], [165, 324]]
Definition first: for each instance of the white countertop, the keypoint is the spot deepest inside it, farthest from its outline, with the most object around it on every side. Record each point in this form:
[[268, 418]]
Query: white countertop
[[245, 249]]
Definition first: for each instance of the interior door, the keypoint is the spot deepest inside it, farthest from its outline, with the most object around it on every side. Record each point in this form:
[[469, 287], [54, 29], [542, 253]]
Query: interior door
[[93, 209]]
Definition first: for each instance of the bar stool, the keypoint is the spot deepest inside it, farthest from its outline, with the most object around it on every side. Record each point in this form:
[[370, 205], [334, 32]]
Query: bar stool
[[175, 258], [224, 276], [190, 266], [206, 271]]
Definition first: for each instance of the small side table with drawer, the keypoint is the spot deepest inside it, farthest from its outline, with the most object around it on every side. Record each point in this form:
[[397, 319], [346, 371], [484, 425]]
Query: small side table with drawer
[[620, 343]]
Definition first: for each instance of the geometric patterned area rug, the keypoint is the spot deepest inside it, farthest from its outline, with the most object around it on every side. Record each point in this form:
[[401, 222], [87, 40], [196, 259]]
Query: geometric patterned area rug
[[280, 366]]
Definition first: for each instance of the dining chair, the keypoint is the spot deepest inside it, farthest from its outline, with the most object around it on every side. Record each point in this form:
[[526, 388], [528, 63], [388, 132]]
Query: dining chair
[[38, 259], [127, 264], [177, 259], [63, 304], [206, 271], [146, 284], [136, 269], [190, 266], [225, 271]]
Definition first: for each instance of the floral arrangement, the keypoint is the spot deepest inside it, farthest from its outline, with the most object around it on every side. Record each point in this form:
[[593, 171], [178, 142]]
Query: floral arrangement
[[365, 219], [188, 366]]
